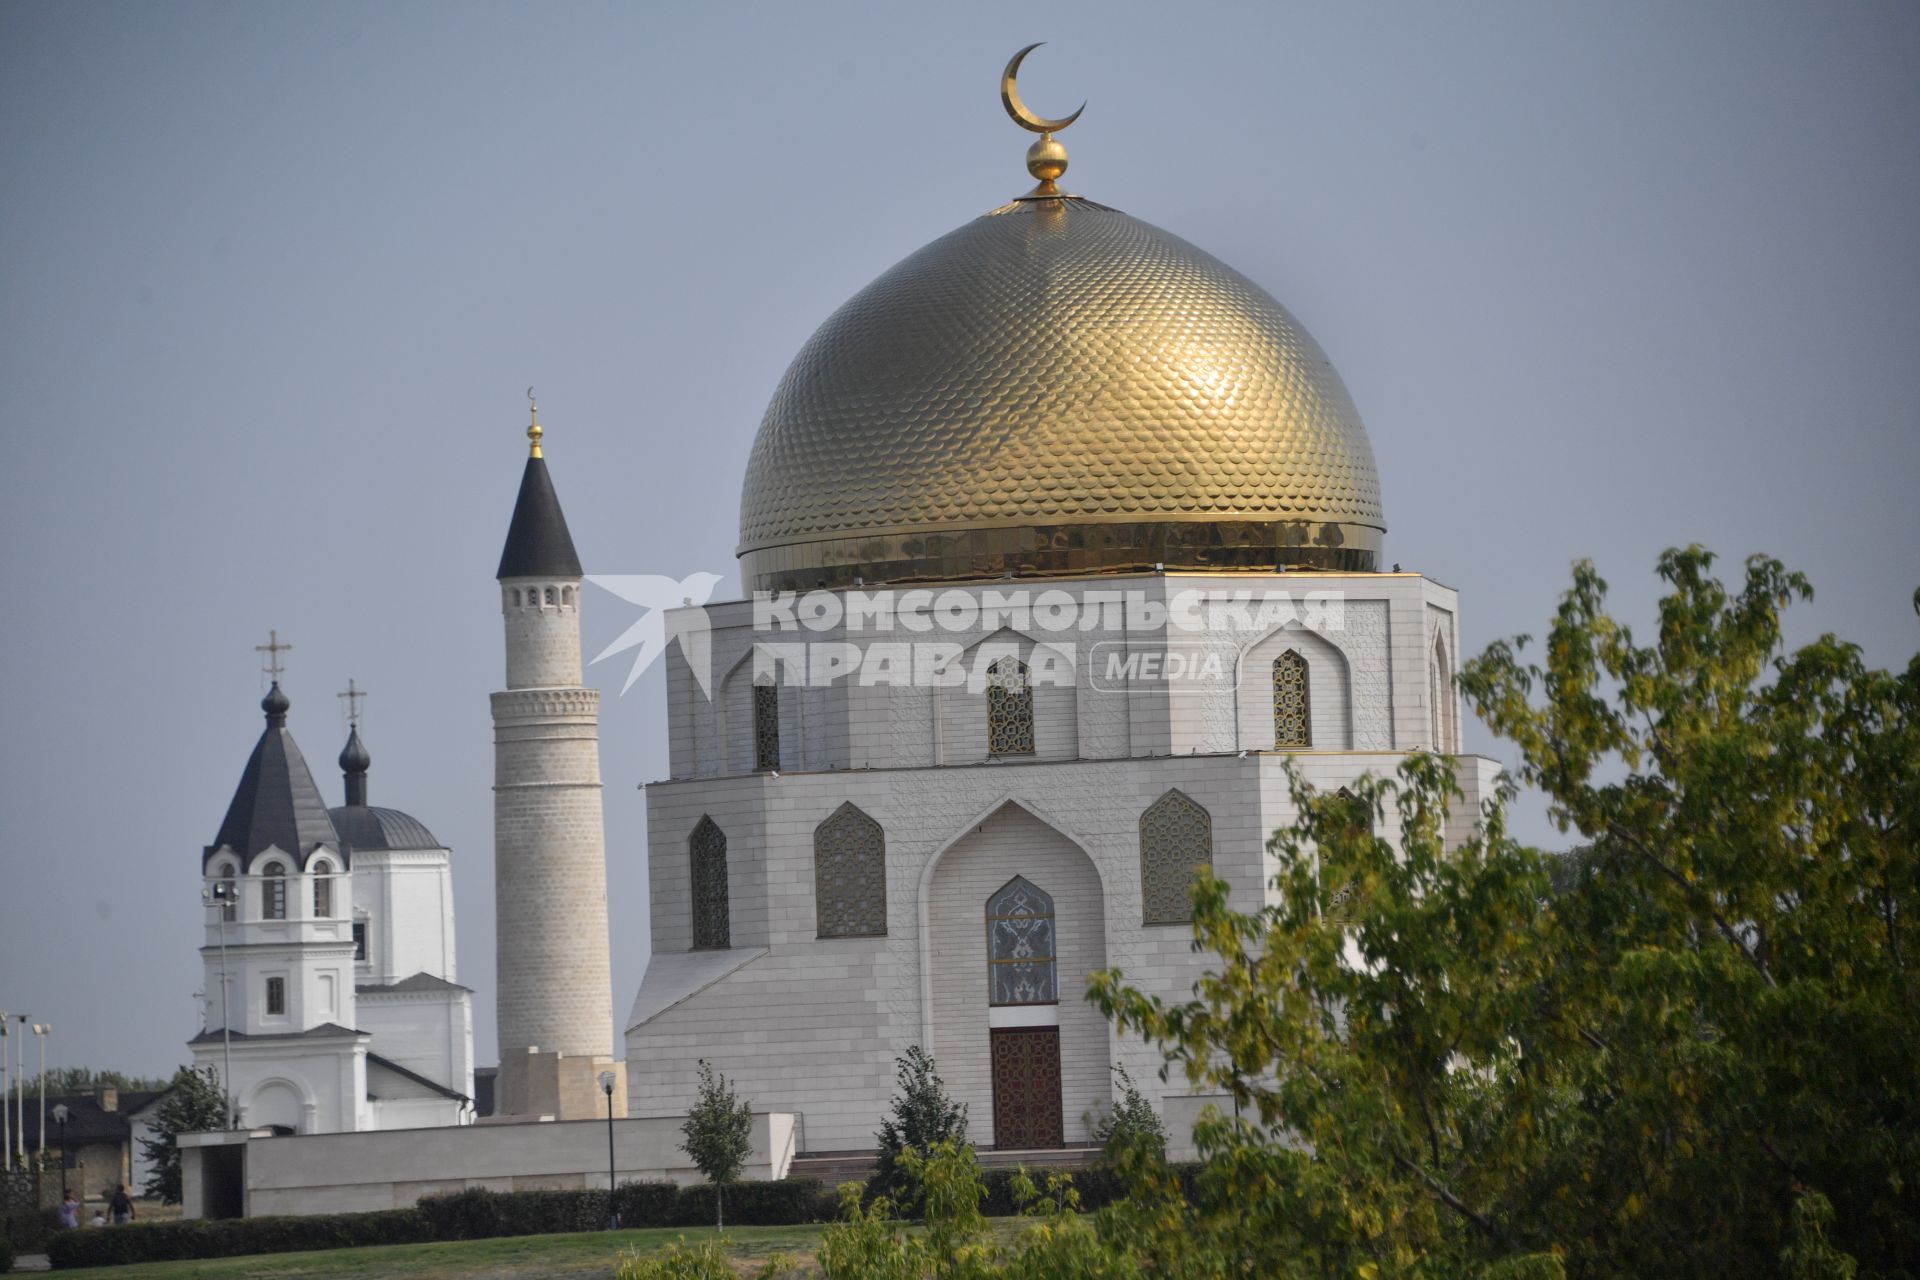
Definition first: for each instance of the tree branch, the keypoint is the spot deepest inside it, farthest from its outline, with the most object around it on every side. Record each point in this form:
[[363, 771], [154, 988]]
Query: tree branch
[[1697, 895]]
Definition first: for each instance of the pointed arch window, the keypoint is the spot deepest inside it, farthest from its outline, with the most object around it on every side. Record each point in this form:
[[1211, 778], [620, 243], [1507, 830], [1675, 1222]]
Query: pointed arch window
[[1440, 678], [273, 892], [1176, 840], [1009, 709], [712, 924], [766, 726], [850, 875], [1020, 946], [1292, 710]]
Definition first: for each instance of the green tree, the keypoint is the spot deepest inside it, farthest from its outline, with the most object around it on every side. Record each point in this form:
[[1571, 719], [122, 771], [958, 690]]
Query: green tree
[[718, 1134], [194, 1105], [923, 1117], [1688, 1049]]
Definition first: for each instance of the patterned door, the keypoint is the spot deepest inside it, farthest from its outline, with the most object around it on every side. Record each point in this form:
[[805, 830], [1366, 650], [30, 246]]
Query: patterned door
[[1026, 1088]]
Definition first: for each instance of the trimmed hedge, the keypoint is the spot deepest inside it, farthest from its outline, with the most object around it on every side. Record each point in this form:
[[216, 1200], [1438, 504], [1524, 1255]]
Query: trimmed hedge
[[6, 1256], [232, 1237], [468, 1215], [26, 1229]]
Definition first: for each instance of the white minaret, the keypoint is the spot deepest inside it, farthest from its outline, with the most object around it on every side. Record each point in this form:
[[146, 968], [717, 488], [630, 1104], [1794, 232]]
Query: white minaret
[[554, 980]]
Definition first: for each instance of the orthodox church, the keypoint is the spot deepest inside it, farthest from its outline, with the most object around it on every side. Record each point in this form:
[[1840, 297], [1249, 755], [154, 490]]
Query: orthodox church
[[331, 1000]]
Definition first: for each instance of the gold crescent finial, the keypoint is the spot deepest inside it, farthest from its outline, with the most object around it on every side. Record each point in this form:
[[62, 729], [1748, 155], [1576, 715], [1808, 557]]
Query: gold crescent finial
[[533, 431], [1047, 158]]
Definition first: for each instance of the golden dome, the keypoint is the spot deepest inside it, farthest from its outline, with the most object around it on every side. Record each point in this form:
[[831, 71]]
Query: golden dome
[[1057, 388]]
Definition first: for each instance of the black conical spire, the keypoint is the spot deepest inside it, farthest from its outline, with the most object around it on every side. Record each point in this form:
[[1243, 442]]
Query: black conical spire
[[538, 544], [354, 762], [276, 803]]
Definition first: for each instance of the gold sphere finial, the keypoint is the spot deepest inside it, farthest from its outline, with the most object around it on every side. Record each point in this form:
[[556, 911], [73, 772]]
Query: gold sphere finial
[[533, 430], [1047, 158]]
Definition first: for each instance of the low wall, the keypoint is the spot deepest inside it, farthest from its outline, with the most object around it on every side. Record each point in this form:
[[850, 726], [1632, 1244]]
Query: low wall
[[393, 1168]]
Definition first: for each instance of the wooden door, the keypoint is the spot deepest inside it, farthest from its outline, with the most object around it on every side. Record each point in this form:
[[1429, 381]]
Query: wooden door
[[1026, 1088]]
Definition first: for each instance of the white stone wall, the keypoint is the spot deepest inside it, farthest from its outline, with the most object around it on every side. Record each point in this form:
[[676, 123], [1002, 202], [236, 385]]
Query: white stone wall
[[429, 1032], [313, 955], [307, 1085], [812, 1025], [406, 897]]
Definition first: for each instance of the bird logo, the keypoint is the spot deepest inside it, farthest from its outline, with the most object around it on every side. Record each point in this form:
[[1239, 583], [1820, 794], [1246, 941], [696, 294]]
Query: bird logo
[[672, 611]]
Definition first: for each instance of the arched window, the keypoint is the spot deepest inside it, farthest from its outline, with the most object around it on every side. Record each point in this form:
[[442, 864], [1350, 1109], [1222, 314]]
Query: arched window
[[1176, 840], [712, 926], [1292, 715], [322, 890], [1009, 709], [566, 595], [516, 597], [273, 892], [850, 875], [1440, 677], [550, 599], [766, 726], [1020, 946]]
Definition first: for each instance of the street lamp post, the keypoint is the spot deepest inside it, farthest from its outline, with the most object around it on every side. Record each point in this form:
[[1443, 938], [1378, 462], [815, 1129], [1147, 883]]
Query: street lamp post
[[220, 897], [60, 1118], [20, 1091], [41, 1030], [613, 1214], [6, 1093]]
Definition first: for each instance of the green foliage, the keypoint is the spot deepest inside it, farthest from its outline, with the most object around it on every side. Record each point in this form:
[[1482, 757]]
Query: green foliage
[[196, 1105], [718, 1133], [1131, 1124], [704, 1261], [6, 1255], [86, 1080], [1657, 1056], [923, 1118]]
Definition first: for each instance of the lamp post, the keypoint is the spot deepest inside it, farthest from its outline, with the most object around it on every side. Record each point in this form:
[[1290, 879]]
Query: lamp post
[[6, 1092], [219, 896], [60, 1118], [41, 1030], [606, 1087], [20, 1091]]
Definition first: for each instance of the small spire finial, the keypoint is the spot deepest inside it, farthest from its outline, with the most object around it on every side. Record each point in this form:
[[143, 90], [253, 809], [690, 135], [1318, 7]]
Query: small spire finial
[[533, 430], [1047, 158]]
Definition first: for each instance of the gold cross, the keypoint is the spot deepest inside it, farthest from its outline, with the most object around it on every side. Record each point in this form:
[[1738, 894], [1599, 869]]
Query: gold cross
[[273, 649], [353, 695]]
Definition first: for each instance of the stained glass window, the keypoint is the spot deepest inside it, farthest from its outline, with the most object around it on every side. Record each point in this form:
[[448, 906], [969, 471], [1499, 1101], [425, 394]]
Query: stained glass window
[[1009, 709], [766, 726], [1176, 840], [1020, 946], [712, 926], [1292, 717], [850, 875]]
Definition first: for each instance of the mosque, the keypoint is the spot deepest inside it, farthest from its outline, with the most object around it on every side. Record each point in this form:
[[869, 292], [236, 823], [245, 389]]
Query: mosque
[[1059, 542]]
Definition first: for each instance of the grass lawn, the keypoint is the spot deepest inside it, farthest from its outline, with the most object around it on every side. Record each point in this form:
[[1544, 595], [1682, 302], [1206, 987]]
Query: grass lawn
[[574, 1256]]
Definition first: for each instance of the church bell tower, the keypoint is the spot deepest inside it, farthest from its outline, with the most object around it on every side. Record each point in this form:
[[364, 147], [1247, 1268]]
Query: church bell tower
[[554, 983]]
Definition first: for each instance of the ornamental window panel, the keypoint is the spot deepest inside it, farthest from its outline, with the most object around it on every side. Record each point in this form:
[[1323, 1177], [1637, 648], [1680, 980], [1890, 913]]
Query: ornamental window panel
[[1020, 946], [1176, 840], [712, 926], [850, 875], [1292, 712], [1009, 709], [273, 892], [766, 726]]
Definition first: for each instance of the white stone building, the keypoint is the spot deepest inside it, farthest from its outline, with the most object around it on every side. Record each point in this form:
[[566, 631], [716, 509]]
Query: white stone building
[[1116, 492], [331, 999]]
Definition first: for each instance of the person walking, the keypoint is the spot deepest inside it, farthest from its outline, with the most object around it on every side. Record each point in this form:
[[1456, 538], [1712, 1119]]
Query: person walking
[[70, 1212], [121, 1206]]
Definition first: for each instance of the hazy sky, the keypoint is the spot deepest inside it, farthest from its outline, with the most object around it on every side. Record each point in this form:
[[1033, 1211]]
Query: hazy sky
[[1602, 279]]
